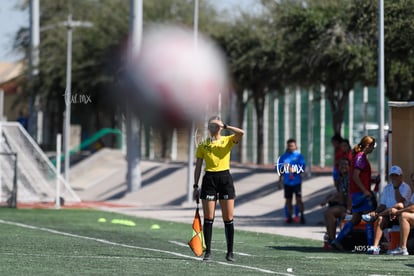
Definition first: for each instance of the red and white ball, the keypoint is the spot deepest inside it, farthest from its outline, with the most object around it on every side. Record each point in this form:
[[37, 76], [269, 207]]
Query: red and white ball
[[175, 76]]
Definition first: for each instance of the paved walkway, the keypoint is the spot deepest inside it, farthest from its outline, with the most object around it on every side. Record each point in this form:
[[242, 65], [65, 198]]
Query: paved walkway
[[259, 205]]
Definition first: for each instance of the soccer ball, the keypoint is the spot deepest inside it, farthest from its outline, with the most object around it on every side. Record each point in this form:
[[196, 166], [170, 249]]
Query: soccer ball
[[175, 78]]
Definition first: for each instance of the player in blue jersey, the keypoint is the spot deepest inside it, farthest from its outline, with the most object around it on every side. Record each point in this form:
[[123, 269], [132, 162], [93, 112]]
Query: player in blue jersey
[[290, 167]]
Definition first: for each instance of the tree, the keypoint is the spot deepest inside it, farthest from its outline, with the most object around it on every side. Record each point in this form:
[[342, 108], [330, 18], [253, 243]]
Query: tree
[[398, 40], [321, 49], [93, 50], [340, 44], [253, 61], [98, 53]]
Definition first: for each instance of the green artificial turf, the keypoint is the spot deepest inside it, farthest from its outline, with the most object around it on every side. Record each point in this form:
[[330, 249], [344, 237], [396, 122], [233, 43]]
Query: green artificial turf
[[74, 242]]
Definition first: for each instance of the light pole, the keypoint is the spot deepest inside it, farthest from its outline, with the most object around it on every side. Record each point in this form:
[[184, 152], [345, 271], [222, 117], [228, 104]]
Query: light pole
[[381, 91], [190, 168], [132, 124], [69, 24], [33, 126]]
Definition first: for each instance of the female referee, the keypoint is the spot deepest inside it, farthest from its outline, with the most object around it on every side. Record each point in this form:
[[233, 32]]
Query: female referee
[[217, 181]]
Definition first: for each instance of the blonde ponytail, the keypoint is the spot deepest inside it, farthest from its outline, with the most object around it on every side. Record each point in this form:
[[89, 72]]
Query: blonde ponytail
[[365, 141]]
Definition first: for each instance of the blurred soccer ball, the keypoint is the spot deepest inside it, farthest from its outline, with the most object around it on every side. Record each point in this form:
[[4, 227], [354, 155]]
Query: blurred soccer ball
[[175, 79]]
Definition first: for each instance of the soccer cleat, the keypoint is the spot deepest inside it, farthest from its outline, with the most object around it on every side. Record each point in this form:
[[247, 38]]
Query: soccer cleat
[[207, 257], [399, 251], [288, 220], [373, 250], [296, 219], [368, 218], [336, 245], [230, 257]]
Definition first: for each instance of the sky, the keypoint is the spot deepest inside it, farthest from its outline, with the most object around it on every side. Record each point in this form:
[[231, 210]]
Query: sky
[[11, 20]]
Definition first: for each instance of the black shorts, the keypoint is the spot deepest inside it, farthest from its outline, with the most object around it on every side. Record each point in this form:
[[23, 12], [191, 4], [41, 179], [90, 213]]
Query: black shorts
[[217, 185], [391, 223], [290, 190]]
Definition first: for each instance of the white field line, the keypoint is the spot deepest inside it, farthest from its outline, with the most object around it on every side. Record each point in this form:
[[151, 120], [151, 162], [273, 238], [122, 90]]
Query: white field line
[[65, 256], [133, 247], [322, 257]]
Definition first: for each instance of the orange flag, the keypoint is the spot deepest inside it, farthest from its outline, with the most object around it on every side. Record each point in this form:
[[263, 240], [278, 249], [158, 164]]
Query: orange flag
[[196, 243]]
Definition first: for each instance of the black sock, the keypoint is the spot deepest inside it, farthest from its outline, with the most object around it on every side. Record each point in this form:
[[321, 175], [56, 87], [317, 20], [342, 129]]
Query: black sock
[[229, 230], [208, 233]]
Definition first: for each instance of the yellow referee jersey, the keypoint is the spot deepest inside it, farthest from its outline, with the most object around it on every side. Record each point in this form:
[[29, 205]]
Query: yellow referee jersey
[[216, 153]]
